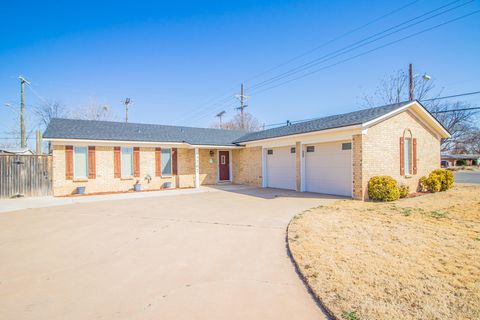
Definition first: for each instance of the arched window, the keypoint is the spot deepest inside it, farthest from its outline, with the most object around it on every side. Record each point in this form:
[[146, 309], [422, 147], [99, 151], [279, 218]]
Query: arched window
[[408, 154]]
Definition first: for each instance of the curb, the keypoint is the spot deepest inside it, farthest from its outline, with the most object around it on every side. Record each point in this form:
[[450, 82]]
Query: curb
[[326, 311]]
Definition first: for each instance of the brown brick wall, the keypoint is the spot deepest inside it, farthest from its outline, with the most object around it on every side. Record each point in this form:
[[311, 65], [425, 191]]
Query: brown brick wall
[[105, 181], [381, 150], [357, 166], [247, 166]]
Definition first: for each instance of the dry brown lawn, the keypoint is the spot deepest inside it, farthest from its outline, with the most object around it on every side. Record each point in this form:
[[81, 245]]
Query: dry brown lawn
[[416, 258]]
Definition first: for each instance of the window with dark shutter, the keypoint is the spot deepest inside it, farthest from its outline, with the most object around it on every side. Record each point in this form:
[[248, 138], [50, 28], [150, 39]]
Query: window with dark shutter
[[116, 162], [136, 162], [69, 162], [92, 174]]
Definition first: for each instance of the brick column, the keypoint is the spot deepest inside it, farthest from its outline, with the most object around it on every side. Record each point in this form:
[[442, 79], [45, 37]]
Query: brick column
[[357, 167], [298, 165]]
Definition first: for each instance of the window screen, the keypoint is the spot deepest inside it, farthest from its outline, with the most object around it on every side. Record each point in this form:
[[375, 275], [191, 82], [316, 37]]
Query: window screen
[[311, 149], [347, 146], [166, 162], [81, 162], [270, 151], [127, 162]]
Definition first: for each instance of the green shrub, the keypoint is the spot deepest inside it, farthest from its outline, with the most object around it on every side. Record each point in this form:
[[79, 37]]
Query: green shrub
[[438, 180], [461, 162], [383, 188], [434, 182], [422, 184], [446, 178], [404, 190]]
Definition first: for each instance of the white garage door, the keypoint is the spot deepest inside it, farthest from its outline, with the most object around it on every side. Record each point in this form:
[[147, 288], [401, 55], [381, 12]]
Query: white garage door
[[328, 168], [281, 168]]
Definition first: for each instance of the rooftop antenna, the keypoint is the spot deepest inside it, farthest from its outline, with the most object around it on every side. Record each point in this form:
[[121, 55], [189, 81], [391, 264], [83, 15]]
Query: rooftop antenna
[[220, 115]]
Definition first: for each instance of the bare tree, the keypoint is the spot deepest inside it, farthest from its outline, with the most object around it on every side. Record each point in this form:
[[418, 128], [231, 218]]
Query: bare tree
[[460, 123], [250, 123], [394, 89], [50, 109], [93, 111]]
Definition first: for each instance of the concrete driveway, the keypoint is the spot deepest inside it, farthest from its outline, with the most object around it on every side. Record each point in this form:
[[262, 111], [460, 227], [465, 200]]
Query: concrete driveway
[[209, 255]]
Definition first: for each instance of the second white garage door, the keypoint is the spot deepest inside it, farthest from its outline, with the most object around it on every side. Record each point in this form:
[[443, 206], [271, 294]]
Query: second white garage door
[[328, 168], [281, 168]]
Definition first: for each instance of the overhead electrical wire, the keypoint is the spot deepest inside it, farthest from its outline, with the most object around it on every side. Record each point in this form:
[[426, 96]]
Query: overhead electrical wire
[[326, 43], [209, 106], [425, 100], [358, 44], [369, 51]]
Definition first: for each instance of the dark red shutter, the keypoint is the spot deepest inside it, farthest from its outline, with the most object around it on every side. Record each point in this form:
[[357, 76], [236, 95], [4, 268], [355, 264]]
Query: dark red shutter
[[414, 155], [174, 161], [158, 162], [136, 162], [116, 162], [402, 156], [91, 163], [69, 162]]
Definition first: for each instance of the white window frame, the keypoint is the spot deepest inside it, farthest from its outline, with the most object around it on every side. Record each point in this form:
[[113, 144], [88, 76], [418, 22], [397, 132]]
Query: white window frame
[[121, 166], [408, 156], [75, 176], [171, 163]]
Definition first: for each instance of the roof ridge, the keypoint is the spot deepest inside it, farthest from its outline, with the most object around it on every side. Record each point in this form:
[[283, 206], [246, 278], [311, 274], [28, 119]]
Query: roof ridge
[[146, 124]]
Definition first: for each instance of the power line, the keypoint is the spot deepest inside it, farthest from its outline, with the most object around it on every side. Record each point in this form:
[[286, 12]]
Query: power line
[[453, 110], [453, 96], [426, 100], [357, 45], [361, 43], [195, 114], [333, 40], [369, 51]]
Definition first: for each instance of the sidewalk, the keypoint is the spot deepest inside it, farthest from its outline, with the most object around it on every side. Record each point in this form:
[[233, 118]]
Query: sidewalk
[[39, 202]]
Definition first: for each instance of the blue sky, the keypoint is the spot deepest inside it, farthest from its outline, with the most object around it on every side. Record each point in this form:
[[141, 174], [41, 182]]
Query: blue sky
[[173, 59]]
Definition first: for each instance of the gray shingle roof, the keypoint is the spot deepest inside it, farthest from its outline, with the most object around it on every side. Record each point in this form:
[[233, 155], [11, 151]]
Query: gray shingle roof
[[120, 131], [330, 122]]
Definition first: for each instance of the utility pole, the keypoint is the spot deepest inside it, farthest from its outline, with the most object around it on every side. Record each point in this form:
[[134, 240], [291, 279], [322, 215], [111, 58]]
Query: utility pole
[[39, 143], [126, 103], [23, 138], [220, 115], [410, 83], [242, 97]]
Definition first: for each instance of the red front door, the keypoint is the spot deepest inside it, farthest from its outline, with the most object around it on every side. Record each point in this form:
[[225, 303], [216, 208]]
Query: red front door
[[224, 165]]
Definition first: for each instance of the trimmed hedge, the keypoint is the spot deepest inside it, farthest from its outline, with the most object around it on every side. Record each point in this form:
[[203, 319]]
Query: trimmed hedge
[[383, 188]]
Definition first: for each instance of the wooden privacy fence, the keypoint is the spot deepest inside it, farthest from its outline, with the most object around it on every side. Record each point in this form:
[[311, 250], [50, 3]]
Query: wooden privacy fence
[[25, 176]]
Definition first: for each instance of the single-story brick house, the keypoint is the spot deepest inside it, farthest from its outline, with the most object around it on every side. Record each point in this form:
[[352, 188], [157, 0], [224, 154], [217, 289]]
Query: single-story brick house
[[333, 155], [451, 160]]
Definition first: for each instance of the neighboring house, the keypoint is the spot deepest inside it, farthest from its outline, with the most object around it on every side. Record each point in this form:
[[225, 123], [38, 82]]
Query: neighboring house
[[451, 159], [16, 151], [333, 155]]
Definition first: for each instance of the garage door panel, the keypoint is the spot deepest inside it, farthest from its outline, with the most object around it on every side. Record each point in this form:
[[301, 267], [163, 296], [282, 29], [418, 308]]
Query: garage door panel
[[328, 169], [281, 168]]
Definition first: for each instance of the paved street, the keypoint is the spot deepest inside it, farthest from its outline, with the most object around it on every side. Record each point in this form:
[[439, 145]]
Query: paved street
[[467, 177]]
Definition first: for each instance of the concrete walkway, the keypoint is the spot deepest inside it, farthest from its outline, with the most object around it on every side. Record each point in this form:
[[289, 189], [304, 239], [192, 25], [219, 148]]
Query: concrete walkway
[[217, 254], [41, 202]]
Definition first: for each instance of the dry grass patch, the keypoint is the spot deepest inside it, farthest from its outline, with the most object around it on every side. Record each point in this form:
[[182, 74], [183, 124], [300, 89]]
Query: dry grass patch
[[416, 258]]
